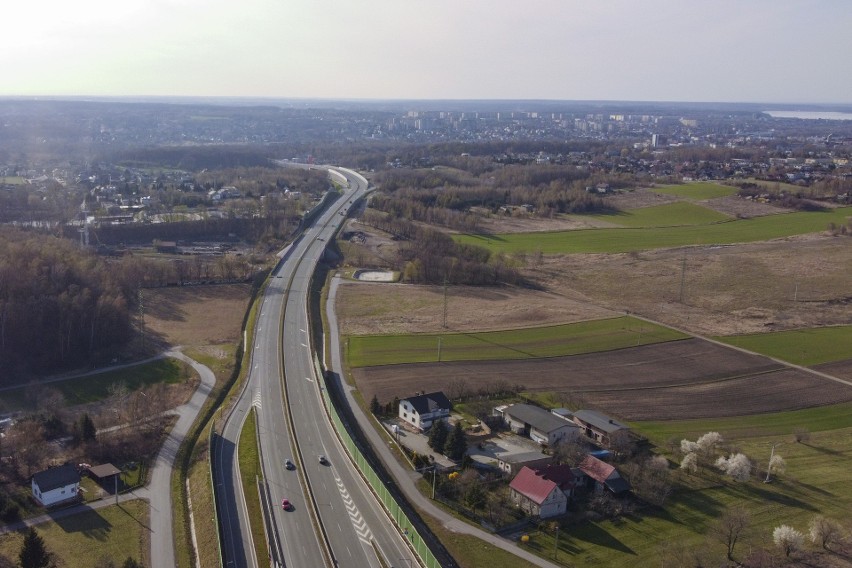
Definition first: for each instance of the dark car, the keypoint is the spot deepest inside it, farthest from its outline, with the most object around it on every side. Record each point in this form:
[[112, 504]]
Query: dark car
[[323, 460], [286, 504], [288, 463]]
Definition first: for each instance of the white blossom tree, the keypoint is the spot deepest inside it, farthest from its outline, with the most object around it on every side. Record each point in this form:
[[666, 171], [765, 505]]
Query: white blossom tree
[[708, 443], [787, 539], [690, 462], [737, 466]]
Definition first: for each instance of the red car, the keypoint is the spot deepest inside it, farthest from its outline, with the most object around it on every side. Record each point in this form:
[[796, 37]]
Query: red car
[[286, 505]]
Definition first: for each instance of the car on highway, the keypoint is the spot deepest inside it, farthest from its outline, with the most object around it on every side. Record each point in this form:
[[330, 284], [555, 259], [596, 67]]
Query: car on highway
[[323, 460], [288, 463], [286, 504]]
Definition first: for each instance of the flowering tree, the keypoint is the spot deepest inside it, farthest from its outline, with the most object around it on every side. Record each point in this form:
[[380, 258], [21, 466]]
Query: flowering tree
[[690, 462], [787, 539], [737, 466]]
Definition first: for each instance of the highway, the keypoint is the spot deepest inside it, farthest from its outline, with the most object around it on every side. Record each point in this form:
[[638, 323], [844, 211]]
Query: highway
[[355, 530]]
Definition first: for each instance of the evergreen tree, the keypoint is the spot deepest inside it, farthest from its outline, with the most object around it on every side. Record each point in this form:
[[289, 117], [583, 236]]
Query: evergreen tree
[[88, 432], [456, 445], [34, 554], [131, 563], [438, 436], [375, 407]]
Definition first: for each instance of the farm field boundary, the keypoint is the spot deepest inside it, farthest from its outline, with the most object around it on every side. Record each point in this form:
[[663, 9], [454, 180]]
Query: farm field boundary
[[527, 343], [636, 239]]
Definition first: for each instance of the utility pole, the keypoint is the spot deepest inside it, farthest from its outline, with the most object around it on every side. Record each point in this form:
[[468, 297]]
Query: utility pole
[[439, 350], [141, 316], [682, 278], [445, 303], [769, 466]]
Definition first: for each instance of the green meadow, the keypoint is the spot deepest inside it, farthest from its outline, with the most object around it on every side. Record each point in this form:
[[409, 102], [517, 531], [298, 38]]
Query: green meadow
[[698, 191], [551, 341], [97, 387], [648, 238], [800, 346], [12, 180], [668, 215]]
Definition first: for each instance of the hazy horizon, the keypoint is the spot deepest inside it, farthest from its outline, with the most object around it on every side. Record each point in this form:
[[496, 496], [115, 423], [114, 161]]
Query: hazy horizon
[[378, 50]]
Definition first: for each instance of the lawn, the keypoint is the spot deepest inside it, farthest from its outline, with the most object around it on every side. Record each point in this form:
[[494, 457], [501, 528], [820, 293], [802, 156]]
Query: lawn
[[636, 239], [530, 343], [698, 191], [799, 346], [12, 180], [668, 215], [111, 533], [92, 388]]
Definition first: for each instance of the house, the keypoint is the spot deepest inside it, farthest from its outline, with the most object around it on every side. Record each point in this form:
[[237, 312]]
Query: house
[[598, 476], [537, 423], [56, 485], [599, 427], [421, 410], [512, 463], [543, 492]]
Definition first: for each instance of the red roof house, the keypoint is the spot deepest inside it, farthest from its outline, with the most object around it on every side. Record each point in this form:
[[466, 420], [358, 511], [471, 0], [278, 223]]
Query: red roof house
[[543, 492], [600, 475]]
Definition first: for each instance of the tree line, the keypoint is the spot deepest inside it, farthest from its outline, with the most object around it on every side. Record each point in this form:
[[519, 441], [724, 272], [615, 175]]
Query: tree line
[[60, 306]]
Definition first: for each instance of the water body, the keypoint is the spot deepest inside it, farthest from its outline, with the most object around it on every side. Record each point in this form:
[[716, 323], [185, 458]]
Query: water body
[[809, 115]]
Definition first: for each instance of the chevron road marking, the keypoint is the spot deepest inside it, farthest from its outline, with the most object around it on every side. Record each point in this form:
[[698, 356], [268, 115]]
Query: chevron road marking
[[361, 528]]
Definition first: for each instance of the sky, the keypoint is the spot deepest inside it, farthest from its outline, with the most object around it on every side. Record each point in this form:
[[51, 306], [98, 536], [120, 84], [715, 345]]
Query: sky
[[784, 51]]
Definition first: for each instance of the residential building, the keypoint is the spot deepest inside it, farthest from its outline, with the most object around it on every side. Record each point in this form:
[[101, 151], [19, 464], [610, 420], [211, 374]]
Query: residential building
[[512, 463], [599, 427], [56, 485], [543, 492], [422, 410], [537, 423]]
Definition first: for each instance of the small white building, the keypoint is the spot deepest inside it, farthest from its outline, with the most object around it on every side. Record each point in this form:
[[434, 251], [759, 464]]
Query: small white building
[[542, 492], [56, 485], [422, 410]]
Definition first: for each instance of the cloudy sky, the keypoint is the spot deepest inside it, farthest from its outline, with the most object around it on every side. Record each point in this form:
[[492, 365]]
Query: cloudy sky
[[661, 50]]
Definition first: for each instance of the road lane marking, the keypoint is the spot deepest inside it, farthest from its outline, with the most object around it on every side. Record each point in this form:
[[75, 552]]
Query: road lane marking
[[309, 379]]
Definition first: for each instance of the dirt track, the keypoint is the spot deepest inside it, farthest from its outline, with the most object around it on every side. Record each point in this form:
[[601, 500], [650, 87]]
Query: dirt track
[[676, 380]]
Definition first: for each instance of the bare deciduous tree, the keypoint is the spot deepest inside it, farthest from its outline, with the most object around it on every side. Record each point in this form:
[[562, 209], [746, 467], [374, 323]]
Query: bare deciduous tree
[[825, 532], [730, 528]]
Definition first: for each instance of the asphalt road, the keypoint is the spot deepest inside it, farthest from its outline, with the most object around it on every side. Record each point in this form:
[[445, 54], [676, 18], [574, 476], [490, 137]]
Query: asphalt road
[[355, 531]]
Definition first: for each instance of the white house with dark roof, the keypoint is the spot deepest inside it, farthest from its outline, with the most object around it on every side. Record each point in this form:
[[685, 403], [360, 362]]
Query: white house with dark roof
[[537, 423], [422, 410], [56, 485]]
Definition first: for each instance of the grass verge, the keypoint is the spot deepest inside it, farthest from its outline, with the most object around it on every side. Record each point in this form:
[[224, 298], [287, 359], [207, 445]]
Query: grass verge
[[529, 343], [250, 471]]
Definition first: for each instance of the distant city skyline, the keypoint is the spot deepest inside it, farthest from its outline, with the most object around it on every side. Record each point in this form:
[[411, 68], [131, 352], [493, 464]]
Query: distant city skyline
[[758, 51]]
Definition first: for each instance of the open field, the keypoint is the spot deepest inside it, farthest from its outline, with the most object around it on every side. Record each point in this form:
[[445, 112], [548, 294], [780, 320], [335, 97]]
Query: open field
[[667, 381], [751, 288], [196, 315], [369, 308], [529, 343], [630, 239], [12, 180], [112, 533], [698, 190], [800, 346], [668, 215]]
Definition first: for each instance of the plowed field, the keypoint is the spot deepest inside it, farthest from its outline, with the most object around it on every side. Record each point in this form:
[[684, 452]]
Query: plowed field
[[680, 379]]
